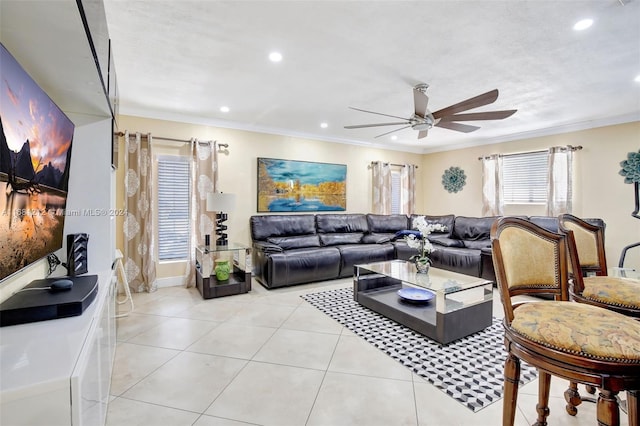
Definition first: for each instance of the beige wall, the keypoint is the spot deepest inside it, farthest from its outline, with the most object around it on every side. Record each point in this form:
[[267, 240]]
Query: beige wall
[[238, 168], [600, 191]]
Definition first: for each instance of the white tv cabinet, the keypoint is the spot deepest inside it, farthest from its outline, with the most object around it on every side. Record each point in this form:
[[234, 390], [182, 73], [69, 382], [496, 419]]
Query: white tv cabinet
[[58, 372]]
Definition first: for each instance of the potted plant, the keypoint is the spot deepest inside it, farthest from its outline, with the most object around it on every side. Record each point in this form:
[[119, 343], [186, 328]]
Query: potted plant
[[420, 242]]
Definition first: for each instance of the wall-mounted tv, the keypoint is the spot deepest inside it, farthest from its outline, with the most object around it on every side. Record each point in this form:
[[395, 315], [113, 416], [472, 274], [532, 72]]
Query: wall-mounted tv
[[35, 152]]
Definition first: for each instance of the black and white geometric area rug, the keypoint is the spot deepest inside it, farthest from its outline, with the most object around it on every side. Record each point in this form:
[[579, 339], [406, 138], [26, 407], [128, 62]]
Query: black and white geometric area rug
[[470, 369]]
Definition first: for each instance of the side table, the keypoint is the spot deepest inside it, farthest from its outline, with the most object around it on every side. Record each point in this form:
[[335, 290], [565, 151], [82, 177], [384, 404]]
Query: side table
[[239, 258]]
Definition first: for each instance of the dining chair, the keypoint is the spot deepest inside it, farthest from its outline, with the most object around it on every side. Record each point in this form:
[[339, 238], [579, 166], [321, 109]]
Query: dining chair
[[592, 285], [587, 256], [577, 342]]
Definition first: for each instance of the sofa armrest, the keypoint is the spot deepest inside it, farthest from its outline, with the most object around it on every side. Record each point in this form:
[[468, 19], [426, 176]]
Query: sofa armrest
[[267, 247]]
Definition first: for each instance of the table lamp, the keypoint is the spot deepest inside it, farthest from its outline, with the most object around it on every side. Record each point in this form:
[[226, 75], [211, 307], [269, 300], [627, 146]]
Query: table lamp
[[220, 202]]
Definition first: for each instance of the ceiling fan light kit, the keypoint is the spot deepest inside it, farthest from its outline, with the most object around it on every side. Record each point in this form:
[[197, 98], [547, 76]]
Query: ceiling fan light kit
[[422, 119]]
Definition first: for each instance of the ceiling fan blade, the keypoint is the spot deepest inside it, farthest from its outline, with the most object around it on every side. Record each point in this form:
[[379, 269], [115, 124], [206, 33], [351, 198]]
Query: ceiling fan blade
[[362, 126], [379, 113], [488, 115], [459, 127], [475, 102], [396, 130], [422, 134], [420, 101]]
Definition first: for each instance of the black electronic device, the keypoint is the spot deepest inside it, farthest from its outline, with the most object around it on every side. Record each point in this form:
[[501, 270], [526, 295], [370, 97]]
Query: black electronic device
[[38, 301], [61, 284]]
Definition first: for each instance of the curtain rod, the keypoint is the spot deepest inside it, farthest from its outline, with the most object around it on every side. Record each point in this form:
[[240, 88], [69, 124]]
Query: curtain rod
[[392, 164], [144, 135], [568, 147]]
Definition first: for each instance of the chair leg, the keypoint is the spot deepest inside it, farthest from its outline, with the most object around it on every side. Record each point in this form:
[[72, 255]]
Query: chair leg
[[511, 381], [607, 408], [544, 383], [633, 407], [572, 396]]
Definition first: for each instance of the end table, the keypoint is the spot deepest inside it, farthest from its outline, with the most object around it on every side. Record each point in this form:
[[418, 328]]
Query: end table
[[239, 259]]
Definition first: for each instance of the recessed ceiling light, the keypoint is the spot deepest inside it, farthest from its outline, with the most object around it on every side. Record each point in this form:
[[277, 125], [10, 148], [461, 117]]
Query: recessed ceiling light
[[275, 56], [583, 24], [224, 108], [324, 125], [394, 137], [637, 79]]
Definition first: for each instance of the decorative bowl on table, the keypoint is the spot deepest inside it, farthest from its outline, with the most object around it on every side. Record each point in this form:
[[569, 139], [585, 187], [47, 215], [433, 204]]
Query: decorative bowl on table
[[415, 295]]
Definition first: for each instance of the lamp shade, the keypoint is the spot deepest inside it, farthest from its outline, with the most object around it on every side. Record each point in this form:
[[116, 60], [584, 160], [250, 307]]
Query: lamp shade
[[220, 202]]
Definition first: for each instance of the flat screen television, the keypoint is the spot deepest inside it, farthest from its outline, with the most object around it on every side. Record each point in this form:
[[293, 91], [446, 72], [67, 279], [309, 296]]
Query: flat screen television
[[35, 152]]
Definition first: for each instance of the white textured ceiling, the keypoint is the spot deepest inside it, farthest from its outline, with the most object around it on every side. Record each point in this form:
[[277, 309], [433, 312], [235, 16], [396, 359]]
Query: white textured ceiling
[[182, 60]]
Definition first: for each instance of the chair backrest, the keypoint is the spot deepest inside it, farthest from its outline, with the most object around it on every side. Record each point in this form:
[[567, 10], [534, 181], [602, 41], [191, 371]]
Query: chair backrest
[[528, 259], [589, 243]]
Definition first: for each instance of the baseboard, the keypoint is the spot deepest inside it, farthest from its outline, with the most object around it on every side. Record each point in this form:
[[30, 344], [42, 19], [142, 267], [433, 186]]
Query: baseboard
[[169, 282]]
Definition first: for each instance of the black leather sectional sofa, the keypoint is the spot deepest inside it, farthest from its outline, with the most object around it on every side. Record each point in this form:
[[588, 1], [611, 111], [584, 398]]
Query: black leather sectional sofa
[[302, 248]]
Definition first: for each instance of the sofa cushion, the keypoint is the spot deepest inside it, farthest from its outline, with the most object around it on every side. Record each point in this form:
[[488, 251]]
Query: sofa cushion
[[296, 242], [462, 260], [389, 224], [477, 244], [354, 254], [443, 240], [341, 223], [376, 238], [265, 226], [341, 238], [302, 266], [472, 228], [547, 222]]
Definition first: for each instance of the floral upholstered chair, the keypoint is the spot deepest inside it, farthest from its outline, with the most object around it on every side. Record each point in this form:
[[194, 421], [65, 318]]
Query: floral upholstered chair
[[574, 341], [593, 285]]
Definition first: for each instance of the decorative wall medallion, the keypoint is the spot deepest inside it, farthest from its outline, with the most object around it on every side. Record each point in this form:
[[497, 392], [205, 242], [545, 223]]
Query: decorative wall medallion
[[454, 179], [631, 168]]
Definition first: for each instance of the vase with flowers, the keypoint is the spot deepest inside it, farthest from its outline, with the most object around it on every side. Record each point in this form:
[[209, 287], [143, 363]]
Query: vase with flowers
[[420, 241]]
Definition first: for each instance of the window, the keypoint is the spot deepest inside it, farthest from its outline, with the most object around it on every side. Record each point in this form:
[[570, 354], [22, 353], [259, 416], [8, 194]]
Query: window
[[173, 207], [524, 178], [396, 192]]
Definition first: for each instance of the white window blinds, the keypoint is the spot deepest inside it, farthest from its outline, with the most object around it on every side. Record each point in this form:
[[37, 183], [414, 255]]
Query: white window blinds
[[173, 207], [524, 178], [396, 191]]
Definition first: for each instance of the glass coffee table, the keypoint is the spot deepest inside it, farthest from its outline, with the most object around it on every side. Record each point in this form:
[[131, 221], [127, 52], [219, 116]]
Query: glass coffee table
[[460, 304]]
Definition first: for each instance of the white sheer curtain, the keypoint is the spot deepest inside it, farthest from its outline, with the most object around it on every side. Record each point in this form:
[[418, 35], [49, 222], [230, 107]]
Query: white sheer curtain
[[492, 195], [408, 184], [560, 181], [138, 261], [204, 179], [381, 200]]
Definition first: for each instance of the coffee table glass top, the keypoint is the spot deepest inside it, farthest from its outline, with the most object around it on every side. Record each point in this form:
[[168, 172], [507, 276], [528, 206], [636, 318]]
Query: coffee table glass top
[[437, 280]]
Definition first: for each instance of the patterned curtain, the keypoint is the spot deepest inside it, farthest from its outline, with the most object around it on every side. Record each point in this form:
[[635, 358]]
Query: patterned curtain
[[560, 180], [381, 188], [204, 179], [139, 243], [492, 195], [408, 184]]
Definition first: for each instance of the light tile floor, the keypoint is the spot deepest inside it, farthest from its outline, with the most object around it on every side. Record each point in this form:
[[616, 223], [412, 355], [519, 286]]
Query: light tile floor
[[270, 358]]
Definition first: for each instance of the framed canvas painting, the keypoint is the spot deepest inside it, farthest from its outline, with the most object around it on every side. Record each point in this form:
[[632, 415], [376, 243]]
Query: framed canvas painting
[[301, 186]]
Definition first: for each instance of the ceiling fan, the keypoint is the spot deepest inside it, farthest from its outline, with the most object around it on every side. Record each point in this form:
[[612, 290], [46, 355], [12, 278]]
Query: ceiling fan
[[423, 119]]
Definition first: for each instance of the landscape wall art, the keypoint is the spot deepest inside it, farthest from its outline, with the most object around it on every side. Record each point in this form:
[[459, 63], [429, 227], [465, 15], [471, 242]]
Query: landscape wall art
[[301, 186]]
